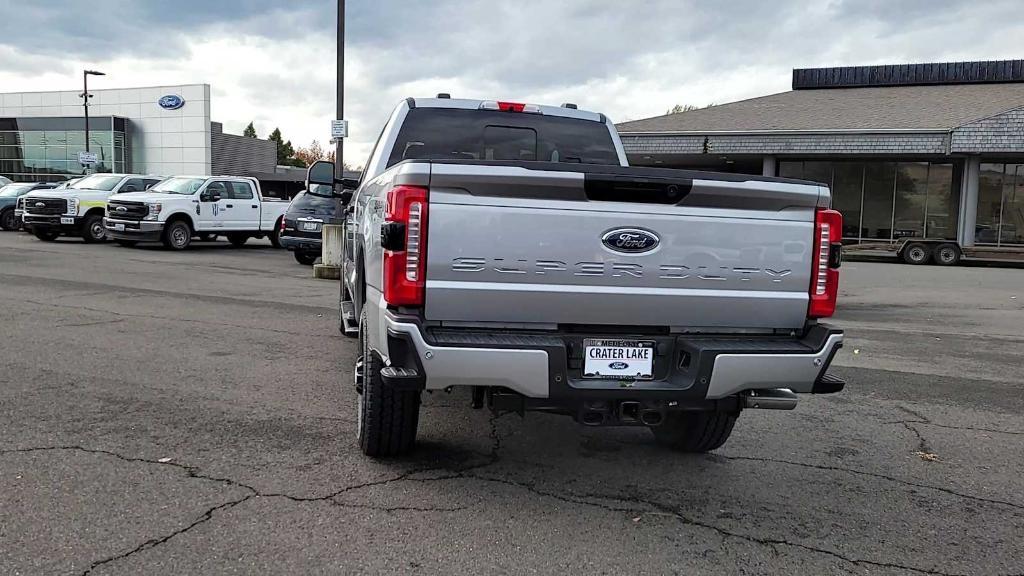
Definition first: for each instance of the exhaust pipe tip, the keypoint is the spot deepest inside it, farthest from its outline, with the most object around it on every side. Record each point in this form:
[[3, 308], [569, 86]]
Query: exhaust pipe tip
[[592, 418], [651, 417], [773, 399]]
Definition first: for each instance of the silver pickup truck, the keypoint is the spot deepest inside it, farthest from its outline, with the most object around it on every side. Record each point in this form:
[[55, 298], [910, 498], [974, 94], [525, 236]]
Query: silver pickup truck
[[509, 249]]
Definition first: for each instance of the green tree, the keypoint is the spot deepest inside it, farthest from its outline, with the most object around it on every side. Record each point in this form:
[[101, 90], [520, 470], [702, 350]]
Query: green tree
[[285, 150], [250, 131], [685, 108]]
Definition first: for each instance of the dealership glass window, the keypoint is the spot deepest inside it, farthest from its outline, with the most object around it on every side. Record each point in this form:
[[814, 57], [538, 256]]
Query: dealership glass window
[[883, 201], [1000, 218], [911, 196], [847, 195]]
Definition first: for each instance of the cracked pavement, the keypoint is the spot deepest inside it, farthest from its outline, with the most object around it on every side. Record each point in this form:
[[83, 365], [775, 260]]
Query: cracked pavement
[[167, 413]]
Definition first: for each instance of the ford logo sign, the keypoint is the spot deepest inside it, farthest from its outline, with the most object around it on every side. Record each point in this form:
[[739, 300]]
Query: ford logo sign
[[171, 102], [630, 240], [40, 204], [121, 209], [618, 365]]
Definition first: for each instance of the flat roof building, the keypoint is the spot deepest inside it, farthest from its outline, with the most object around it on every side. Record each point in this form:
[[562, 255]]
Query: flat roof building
[[917, 150], [163, 130]]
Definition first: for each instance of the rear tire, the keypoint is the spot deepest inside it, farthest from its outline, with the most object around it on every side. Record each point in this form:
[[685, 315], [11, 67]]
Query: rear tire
[[387, 418], [7, 219], [305, 258], [237, 240], [275, 236], [177, 235], [46, 235], [92, 229], [917, 253], [695, 431], [947, 254]]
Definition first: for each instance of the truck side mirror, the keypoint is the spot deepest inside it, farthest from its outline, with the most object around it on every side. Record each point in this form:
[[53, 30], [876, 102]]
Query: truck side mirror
[[322, 173]]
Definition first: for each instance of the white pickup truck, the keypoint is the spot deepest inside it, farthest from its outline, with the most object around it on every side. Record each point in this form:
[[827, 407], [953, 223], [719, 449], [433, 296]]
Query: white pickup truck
[[181, 207], [78, 209]]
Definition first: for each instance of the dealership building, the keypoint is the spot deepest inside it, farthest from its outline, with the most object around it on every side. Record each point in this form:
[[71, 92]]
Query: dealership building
[[917, 150], [164, 130]]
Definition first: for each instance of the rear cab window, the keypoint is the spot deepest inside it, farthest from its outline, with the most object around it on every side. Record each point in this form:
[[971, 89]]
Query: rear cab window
[[458, 134], [241, 191]]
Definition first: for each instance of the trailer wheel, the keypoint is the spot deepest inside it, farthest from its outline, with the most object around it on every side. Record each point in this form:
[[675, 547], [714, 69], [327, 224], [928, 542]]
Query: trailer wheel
[[947, 254], [917, 253]]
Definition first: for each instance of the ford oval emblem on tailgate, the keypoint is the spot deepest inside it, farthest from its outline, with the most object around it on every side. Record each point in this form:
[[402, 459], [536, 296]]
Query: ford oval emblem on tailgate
[[618, 365], [630, 240]]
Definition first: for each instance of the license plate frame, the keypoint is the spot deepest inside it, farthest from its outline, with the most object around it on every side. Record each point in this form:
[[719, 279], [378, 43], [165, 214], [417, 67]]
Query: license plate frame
[[118, 227], [309, 226], [612, 351], [67, 220]]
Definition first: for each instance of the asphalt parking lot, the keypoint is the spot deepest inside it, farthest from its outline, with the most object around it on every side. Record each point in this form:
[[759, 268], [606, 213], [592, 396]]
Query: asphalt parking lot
[[185, 413]]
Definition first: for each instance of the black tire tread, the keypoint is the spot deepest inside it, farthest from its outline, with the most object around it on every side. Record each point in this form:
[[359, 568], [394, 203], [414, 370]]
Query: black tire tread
[[87, 226], [390, 417], [305, 258], [4, 215], [695, 431]]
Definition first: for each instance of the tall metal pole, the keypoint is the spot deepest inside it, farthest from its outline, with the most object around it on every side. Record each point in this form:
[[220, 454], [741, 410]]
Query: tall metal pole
[[85, 103], [339, 164]]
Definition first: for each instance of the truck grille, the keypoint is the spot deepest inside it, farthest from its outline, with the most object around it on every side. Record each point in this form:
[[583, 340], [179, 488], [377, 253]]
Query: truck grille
[[46, 206], [125, 210]]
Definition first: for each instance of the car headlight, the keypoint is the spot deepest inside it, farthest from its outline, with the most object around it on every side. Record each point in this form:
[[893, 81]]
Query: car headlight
[[72, 206], [154, 211]]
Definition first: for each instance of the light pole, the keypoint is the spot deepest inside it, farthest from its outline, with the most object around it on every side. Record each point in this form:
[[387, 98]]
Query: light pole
[[339, 164], [85, 100]]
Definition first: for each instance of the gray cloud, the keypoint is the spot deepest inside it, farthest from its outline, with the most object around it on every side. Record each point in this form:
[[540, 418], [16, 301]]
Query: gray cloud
[[630, 59]]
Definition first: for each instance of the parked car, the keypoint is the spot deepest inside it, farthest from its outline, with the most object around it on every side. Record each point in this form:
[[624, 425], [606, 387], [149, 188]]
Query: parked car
[[508, 248], [78, 209], [303, 222], [10, 194], [181, 207]]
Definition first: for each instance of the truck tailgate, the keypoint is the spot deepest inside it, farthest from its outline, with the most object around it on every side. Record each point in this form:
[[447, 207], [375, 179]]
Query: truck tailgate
[[512, 244]]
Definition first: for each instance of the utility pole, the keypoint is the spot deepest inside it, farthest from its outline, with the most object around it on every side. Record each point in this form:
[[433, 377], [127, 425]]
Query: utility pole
[[85, 100], [339, 164]]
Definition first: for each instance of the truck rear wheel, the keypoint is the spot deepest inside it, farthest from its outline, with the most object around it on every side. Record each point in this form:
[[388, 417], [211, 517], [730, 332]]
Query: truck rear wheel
[[387, 418], [275, 236], [695, 431]]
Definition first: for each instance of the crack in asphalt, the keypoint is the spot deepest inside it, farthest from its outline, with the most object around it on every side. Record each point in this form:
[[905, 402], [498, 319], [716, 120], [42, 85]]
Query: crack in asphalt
[[631, 505], [153, 543], [963, 428]]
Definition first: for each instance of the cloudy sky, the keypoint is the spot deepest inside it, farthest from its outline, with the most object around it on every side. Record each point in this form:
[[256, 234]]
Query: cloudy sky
[[272, 62]]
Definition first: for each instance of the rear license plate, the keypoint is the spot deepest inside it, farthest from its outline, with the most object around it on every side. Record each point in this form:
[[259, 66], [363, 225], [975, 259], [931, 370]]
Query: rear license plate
[[67, 220], [118, 227], [617, 359], [309, 226]]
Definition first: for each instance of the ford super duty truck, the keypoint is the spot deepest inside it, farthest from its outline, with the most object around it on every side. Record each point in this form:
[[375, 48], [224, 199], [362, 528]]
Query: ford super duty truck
[[509, 249], [78, 209], [181, 207]]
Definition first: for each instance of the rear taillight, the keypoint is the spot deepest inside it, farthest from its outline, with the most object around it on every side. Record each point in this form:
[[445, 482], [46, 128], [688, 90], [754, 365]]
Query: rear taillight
[[510, 107], [828, 229], [283, 223], [405, 256]]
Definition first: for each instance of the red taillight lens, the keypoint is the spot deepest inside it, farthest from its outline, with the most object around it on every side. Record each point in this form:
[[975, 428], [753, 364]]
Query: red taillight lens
[[511, 106], [282, 223], [405, 269], [828, 230]]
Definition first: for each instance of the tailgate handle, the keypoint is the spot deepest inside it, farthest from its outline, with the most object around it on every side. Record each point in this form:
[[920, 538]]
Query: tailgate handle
[[647, 190]]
